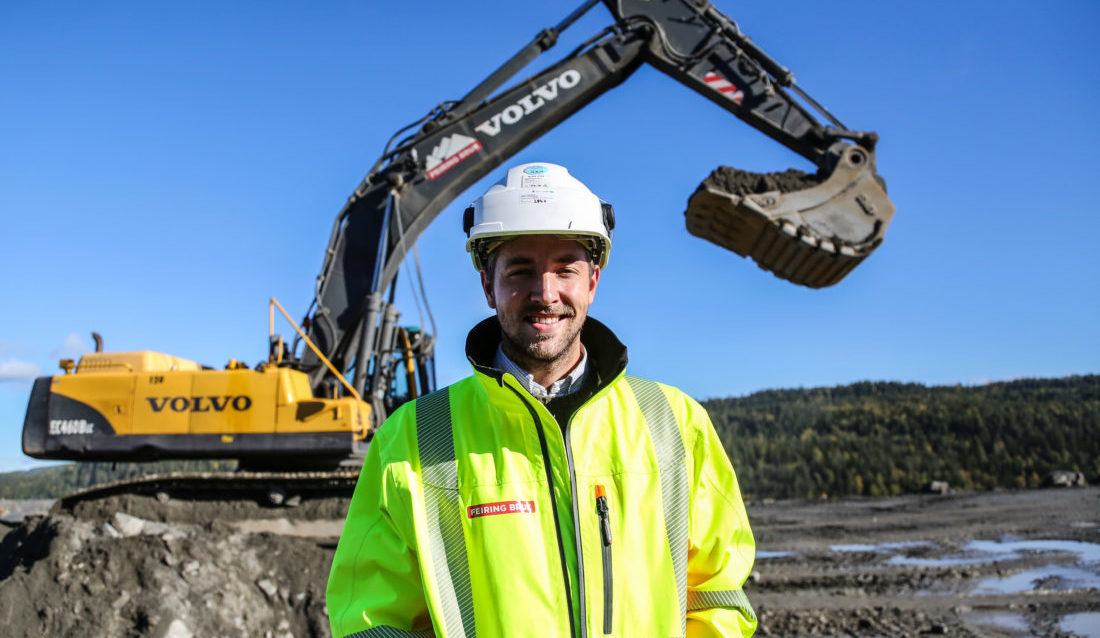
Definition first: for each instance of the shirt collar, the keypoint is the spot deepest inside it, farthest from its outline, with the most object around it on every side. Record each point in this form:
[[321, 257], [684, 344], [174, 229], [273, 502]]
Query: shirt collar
[[568, 384]]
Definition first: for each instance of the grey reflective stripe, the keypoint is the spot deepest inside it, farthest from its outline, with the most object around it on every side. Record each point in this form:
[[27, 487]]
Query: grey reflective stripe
[[439, 471], [727, 598], [669, 445], [390, 632]]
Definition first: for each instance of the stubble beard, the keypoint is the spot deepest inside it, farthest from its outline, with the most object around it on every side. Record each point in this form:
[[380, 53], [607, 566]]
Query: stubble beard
[[540, 351]]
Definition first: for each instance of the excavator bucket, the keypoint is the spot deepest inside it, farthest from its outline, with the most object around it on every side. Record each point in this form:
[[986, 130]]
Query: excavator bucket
[[802, 228]]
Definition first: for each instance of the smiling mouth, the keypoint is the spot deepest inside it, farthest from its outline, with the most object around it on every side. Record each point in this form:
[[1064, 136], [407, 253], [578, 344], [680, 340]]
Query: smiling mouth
[[547, 320]]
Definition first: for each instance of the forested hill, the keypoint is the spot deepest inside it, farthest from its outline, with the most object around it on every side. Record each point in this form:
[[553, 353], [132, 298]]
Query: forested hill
[[872, 438], [879, 438]]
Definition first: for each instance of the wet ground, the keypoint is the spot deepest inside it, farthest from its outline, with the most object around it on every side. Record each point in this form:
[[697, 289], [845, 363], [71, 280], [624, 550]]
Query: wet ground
[[1012, 563], [1000, 564]]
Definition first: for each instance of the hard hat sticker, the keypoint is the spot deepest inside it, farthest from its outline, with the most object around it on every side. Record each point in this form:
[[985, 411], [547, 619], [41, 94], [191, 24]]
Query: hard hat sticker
[[534, 181], [536, 197], [535, 170]]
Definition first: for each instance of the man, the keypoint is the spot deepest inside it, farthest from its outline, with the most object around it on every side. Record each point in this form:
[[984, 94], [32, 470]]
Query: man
[[549, 494]]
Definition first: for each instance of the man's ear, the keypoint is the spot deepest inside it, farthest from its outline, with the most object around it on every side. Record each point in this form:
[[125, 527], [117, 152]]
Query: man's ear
[[487, 288], [593, 281]]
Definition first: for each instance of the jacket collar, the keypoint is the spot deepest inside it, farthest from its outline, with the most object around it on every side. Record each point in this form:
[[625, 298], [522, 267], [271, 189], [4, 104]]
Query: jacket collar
[[606, 354]]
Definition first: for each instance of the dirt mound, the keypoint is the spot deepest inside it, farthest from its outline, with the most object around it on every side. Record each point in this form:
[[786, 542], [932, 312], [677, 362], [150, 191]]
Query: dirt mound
[[738, 182], [900, 566], [187, 569]]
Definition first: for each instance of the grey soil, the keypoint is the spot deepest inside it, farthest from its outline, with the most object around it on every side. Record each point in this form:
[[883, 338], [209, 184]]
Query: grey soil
[[133, 566], [738, 182], [818, 592]]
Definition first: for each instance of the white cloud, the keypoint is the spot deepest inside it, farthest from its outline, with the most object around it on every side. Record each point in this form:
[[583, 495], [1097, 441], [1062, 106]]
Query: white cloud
[[72, 347], [15, 370]]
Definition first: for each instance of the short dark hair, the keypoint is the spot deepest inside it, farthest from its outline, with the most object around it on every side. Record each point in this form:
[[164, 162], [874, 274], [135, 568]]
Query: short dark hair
[[490, 261]]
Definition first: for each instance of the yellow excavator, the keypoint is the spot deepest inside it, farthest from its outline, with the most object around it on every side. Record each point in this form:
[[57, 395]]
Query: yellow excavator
[[316, 400]]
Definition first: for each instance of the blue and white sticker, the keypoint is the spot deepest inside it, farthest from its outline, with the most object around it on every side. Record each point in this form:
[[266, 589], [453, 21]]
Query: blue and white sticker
[[535, 170]]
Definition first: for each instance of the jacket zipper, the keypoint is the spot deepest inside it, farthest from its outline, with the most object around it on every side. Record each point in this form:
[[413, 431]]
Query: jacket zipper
[[576, 529], [557, 523], [605, 536]]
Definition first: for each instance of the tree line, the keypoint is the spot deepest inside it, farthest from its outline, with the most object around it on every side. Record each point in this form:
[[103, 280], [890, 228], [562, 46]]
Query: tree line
[[870, 438], [884, 438]]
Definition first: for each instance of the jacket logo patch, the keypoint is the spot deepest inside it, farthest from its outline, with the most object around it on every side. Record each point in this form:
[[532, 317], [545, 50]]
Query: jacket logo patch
[[501, 507]]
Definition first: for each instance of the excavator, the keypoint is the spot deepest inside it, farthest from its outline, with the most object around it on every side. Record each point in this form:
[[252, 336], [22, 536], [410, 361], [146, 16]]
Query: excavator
[[314, 403]]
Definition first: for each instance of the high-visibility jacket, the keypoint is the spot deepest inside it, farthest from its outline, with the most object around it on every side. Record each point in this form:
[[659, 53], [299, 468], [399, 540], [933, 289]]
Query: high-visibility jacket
[[477, 515]]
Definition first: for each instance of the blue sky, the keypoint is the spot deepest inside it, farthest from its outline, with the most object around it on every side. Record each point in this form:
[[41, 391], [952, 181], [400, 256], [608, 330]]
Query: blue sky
[[165, 168]]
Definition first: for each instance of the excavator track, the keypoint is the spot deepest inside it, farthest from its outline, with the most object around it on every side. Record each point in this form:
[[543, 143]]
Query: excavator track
[[270, 488]]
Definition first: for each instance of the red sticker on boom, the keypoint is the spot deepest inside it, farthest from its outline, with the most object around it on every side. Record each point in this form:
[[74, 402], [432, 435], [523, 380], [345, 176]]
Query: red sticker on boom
[[724, 86]]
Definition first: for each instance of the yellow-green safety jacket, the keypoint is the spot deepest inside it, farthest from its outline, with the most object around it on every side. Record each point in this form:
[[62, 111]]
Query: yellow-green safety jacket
[[477, 515]]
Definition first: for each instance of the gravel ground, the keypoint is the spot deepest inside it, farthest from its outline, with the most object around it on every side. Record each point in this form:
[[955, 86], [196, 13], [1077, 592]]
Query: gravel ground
[[134, 566], [922, 565]]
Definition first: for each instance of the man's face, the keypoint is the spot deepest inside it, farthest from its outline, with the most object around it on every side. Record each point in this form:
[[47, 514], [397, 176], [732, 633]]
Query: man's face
[[541, 289]]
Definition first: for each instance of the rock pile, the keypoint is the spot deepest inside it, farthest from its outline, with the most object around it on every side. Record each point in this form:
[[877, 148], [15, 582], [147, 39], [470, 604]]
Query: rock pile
[[195, 572]]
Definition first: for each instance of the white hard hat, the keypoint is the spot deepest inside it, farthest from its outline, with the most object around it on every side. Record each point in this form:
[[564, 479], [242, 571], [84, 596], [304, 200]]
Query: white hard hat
[[538, 199]]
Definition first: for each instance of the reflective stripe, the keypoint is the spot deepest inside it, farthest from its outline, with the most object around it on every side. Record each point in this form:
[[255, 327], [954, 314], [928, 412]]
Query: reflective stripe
[[389, 632], [439, 470], [727, 598], [669, 445]]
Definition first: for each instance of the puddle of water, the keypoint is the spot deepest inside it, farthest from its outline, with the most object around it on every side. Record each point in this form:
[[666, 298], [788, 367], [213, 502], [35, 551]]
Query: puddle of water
[[1086, 552], [976, 552], [1067, 578], [949, 561], [763, 554], [1086, 625], [1057, 577], [881, 548], [1014, 623]]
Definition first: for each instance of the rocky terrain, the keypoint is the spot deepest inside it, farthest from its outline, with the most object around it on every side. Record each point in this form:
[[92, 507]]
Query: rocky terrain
[[903, 566]]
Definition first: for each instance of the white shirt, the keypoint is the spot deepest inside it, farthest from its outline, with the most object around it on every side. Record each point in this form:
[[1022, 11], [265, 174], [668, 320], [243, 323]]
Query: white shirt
[[568, 384]]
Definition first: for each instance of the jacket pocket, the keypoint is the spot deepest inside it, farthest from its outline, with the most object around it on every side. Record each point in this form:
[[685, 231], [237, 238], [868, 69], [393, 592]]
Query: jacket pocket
[[605, 546]]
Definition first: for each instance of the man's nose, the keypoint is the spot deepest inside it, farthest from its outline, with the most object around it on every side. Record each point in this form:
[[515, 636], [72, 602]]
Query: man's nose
[[545, 289]]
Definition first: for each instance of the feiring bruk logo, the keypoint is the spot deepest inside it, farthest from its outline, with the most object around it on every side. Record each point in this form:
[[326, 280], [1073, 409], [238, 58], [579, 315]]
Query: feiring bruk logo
[[449, 152], [500, 507]]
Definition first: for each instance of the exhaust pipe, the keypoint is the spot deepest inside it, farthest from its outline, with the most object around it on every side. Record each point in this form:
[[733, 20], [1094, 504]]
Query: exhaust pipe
[[802, 228]]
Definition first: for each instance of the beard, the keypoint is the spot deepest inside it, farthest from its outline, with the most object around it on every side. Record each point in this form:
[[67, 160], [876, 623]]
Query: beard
[[540, 349]]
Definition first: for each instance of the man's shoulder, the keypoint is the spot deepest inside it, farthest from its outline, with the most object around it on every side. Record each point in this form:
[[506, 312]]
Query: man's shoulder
[[397, 438], [402, 422], [681, 403], [670, 391]]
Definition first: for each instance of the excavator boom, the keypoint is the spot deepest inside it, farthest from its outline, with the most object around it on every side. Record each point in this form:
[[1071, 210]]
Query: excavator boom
[[811, 229], [812, 237]]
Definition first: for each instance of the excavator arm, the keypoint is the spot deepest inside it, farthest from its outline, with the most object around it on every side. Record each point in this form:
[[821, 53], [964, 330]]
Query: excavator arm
[[298, 410], [811, 236]]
